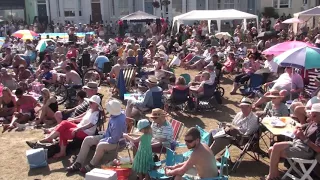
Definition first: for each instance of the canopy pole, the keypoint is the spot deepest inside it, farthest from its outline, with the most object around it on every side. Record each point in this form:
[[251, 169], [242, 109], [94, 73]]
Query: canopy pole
[[209, 26], [219, 25], [245, 24]]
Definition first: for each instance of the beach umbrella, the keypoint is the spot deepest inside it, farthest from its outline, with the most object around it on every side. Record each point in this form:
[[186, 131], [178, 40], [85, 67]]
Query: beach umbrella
[[282, 47], [121, 84], [224, 35], [42, 45], [300, 57], [292, 20], [25, 34]]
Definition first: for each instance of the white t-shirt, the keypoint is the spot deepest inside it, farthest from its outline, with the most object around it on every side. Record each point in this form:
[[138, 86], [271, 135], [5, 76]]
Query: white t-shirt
[[271, 65], [312, 101], [89, 117]]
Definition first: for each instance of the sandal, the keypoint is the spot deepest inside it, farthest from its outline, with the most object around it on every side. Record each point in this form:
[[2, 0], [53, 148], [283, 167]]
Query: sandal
[[87, 168], [74, 167]]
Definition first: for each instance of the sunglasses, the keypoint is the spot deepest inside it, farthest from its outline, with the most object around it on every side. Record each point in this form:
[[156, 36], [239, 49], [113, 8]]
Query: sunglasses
[[189, 140]]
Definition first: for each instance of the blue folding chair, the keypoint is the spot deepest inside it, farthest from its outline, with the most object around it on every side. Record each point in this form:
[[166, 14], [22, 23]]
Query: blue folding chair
[[254, 86], [171, 159]]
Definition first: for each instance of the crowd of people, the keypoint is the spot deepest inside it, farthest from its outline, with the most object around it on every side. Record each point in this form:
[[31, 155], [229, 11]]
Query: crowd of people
[[154, 55]]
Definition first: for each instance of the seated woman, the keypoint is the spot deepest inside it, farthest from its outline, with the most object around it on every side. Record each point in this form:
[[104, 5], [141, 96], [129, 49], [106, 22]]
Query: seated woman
[[7, 79], [275, 107], [180, 84], [249, 68], [305, 145], [24, 110], [49, 107], [131, 60], [230, 64], [68, 130], [8, 103]]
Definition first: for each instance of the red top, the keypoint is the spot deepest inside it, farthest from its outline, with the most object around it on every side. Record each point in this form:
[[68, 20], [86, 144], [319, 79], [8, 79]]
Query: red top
[[71, 54]]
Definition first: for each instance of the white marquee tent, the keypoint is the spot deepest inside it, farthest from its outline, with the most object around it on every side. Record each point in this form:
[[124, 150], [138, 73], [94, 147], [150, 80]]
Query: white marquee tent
[[306, 16], [218, 15]]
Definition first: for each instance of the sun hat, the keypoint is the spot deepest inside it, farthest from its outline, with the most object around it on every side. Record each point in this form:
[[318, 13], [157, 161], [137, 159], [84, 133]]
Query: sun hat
[[91, 85], [113, 107], [315, 108], [157, 112], [245, 102], [95, 99], [152, 80], [274, 94], [142, 124]]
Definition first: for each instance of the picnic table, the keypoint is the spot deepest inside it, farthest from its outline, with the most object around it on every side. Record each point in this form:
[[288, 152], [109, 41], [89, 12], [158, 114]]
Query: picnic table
[[286, 130]]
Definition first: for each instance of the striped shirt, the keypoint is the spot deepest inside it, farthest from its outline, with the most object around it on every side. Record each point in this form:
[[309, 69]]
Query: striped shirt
[[80, 109], [162, 132]]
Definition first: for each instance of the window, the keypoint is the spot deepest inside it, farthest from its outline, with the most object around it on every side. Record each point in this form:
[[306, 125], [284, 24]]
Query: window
[[69, 13], [123, 7], [219, 4], [80, 7], [281, 4], [176, 7], [229, 4], [41, 1]]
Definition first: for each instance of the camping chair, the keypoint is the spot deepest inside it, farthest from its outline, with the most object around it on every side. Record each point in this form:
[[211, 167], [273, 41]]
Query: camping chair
[[157, 98], [171, 159], [247, 144], [254, 87], [178, 98], [107, 66], [85, 60], [204, 102], [302, 171], [187, 77]]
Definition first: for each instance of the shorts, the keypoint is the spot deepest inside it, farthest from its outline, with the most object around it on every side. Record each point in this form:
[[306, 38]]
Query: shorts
[[66, 114], [297, 149]]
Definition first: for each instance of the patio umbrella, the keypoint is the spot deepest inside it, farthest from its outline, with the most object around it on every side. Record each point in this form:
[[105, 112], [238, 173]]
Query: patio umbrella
[[25, 34], [282, 47], [292, 20], [224, 35], [307, 57], [42, 45]]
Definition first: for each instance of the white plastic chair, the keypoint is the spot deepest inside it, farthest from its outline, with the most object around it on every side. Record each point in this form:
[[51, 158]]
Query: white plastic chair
[[305, 174]]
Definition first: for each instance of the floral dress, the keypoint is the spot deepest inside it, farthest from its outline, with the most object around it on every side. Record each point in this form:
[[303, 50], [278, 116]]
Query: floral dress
[[143, 161]]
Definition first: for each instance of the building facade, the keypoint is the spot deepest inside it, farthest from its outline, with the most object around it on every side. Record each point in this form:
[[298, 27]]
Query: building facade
[[289, 6]]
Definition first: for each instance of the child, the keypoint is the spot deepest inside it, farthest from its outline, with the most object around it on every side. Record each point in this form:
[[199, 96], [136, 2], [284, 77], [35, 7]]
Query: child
[[143, 161]]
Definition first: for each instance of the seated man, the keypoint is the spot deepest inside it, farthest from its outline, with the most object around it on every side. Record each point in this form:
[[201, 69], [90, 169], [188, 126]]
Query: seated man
[[290, 81], [244, 123], [99, 61], [115, 70], [72, 77], [135, 107], [23, 73], [200, 165], [7, 60], [107, 142], [305, 145], [208, 56]]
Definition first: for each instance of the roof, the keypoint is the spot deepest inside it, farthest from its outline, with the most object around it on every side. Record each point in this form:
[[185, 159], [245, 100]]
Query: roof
[[227, 14], [310, 12], [140, 16]]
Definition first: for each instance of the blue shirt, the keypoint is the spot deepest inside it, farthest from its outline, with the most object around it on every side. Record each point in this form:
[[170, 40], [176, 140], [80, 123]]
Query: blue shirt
[[100, 60], [148, 99], [47, 76], [116, 127]]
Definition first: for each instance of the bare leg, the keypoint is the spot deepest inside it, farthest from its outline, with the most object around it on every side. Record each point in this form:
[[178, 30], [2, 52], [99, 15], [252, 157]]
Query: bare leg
[[62, 152], [53, 135], [235, 88], [58, 117], [277, 152], [178, 177], [260, 101]]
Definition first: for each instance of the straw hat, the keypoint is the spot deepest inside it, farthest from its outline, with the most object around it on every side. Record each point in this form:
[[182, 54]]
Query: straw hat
[[274, 94], [157, 113], [152, 80]]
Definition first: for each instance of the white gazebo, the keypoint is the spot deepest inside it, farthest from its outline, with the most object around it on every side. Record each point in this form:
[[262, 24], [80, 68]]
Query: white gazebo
[[218, 15], [306, 16]]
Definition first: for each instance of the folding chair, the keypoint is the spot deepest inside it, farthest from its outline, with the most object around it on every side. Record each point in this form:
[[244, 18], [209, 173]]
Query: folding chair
[[302, 171], [204, 102], [129, 76], [178, 98], [254, 87]]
